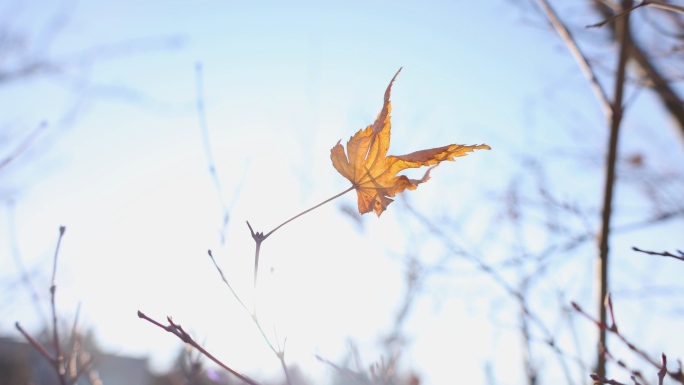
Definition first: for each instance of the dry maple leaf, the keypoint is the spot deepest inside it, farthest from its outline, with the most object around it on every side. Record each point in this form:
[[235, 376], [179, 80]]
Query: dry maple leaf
[[374, 174]]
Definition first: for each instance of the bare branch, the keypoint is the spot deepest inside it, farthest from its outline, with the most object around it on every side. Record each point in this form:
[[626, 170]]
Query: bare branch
[[178, 331], [580, 58]]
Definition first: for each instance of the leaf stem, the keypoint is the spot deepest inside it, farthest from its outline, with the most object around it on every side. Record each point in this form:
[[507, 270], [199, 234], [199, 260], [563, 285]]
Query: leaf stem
[[306, 211]]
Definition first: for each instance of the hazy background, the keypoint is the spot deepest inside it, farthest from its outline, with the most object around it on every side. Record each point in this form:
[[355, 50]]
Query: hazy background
[[122, 164]]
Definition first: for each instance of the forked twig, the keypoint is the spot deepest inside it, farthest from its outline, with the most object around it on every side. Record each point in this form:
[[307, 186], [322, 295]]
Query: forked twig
[[663, 368]]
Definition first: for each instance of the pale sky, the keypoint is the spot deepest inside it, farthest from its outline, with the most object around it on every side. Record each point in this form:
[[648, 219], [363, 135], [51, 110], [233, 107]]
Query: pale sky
[[283, 83]]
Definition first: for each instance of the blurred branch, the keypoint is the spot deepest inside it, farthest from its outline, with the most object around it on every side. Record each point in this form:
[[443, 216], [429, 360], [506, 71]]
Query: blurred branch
[[61, 65], [206, 142], [23, 146], [348, 373], [378, 373], [580, 58]]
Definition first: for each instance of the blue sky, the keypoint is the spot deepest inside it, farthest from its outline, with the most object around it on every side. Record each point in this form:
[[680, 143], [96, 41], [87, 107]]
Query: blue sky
[[282, 84]]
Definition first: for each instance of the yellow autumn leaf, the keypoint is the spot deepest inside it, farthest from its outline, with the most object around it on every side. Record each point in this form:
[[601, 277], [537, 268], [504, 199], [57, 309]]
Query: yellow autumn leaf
[[373, 173]]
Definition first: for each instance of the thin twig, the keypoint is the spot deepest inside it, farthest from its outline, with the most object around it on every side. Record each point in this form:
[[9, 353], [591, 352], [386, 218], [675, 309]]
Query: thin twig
[[664, 253], [666, 6], [608, 303], [223, 277], [652, 3], [178, 331], [618, 15]]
